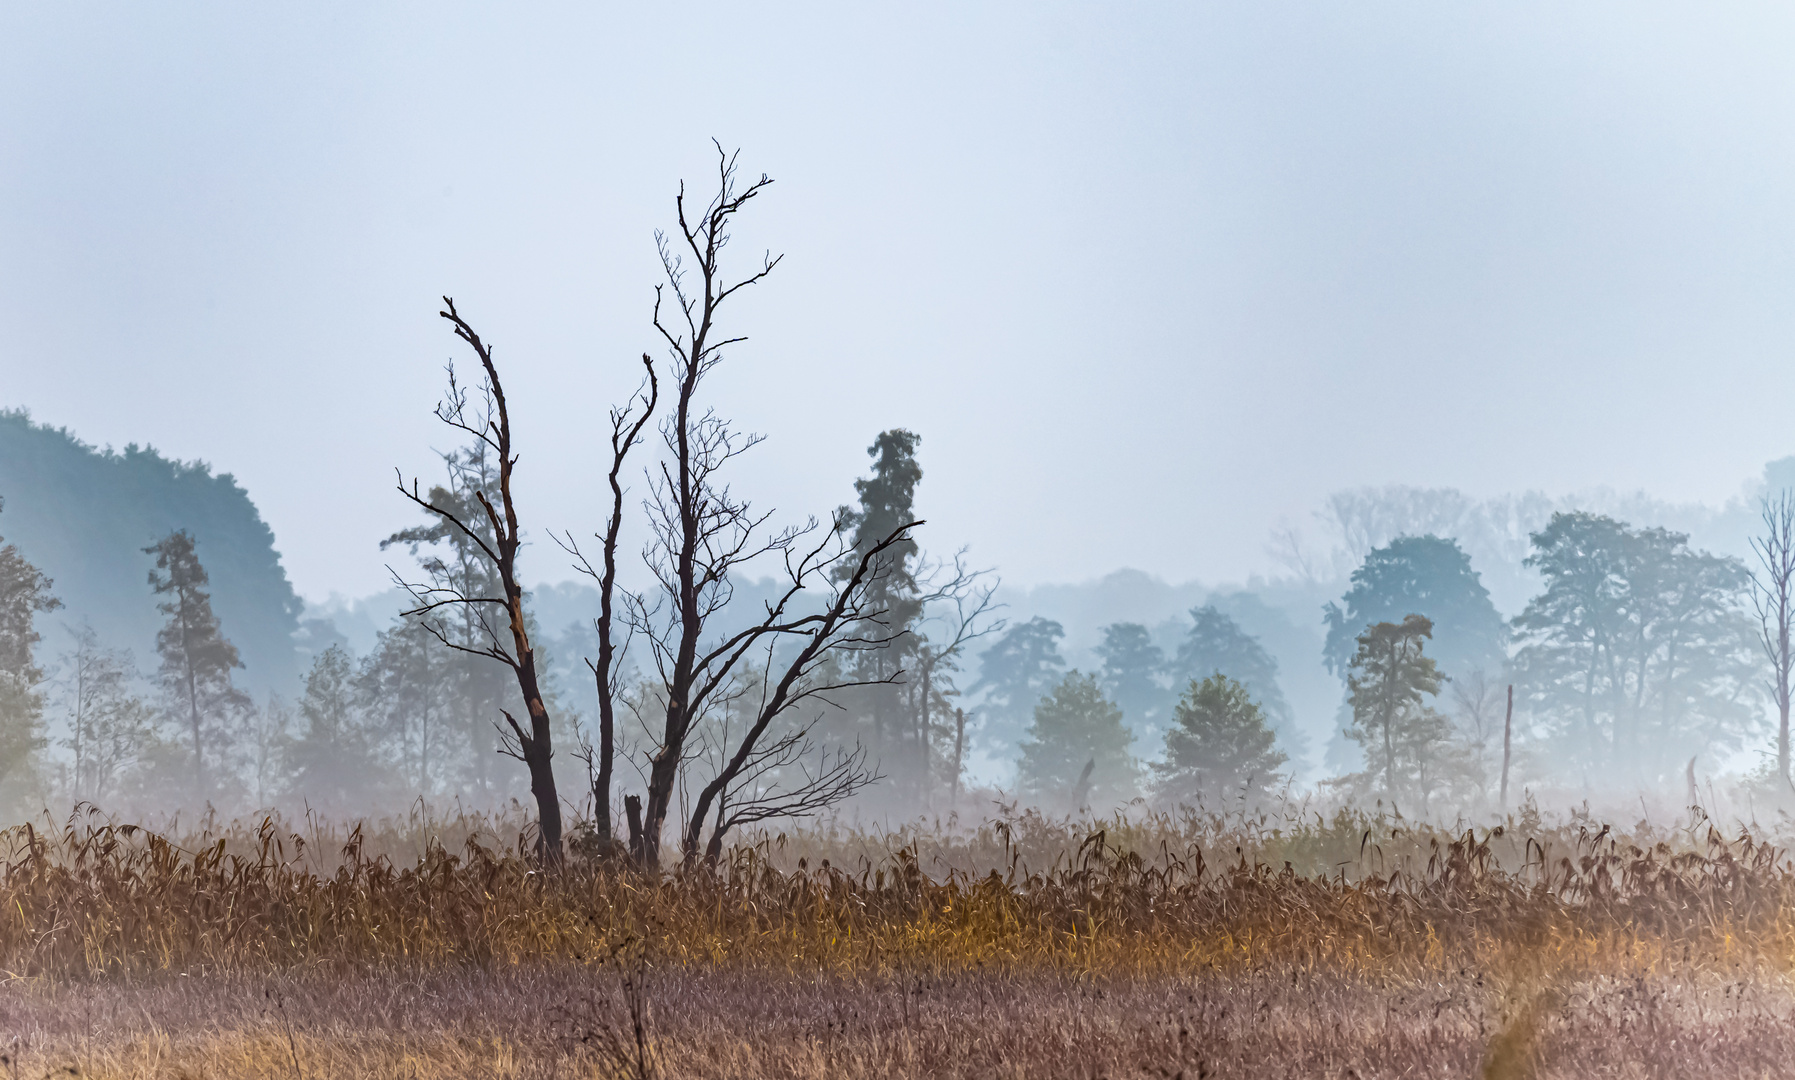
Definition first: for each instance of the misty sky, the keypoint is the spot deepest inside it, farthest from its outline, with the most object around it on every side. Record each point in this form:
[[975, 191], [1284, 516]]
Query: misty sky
[[1146, 278]]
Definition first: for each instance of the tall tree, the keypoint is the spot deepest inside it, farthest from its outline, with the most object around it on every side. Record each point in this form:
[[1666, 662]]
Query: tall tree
[[476, 692], [1637, 654], [1216, 645], [1421, 575], [1015, 673], [109, 722], [887, 499], [702, 535], [406, 687], [24, 594], [1219, 746], [1773, 599], [197, 660], [1132, 667], [496, 535], [627, 424], [1390, 679], [1076, 754], [333, 758]]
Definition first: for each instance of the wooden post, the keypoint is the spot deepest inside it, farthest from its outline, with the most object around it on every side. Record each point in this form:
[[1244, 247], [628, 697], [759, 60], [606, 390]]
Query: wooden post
[[1508, 732], [959, 750]]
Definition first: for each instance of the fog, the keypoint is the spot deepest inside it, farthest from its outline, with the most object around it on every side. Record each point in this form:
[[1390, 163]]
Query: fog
[[1189, 305]]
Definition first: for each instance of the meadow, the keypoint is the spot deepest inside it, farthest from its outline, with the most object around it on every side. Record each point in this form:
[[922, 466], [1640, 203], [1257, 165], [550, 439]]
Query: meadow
[[1339, 945]]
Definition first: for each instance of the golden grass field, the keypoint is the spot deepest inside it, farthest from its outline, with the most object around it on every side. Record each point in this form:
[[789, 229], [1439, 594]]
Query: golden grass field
[[1352, 946]]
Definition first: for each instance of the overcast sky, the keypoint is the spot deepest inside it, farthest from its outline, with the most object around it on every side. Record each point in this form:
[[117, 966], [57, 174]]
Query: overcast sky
[[1145, 278]]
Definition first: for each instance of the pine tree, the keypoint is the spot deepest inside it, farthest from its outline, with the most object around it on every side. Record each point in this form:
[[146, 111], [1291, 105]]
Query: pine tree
[[197, 661], [478, 691], [24, 594], [1406, 742], [332, 759], [1076, 755], [1219, 747], [887, 500], [1216, 644], [1132, 666], [1014, 674], [404, 689]]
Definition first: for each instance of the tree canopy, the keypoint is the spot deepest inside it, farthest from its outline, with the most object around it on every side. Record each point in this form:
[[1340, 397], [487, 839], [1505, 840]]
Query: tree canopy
[[1219, 747], [1215, 645], [1638, 654], [1076, 754], [1420, 575], [84, 515]]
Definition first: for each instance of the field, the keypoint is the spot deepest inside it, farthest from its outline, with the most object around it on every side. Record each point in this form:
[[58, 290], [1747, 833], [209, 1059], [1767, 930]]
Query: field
[[1352, 946]]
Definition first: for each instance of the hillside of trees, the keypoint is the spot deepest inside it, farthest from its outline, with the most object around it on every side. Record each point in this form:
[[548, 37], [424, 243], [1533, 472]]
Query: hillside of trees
[[84, 516]]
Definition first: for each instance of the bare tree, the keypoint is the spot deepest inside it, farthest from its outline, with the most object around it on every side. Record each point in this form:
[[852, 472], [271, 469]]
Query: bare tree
[[627, 424], [498, 545], [962, 603], [1773, 596], [701, 535]]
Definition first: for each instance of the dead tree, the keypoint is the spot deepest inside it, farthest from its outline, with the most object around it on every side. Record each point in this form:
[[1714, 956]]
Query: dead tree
[[498, 544], [736, 793], [962, 602], [627, 424], [1773, 596], [701, 534]]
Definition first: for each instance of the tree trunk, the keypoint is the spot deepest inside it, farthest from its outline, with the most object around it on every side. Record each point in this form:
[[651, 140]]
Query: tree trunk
[[1508, 727]]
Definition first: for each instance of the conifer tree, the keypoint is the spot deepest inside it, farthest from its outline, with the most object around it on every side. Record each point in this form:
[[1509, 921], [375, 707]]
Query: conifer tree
[[1219, 747], [1014, 673], [1132, 666], [887, 500], [24, 593], [332, 758], [1404, 738], [1217, 644], [405, 689], [1076, 755], [197, 661]]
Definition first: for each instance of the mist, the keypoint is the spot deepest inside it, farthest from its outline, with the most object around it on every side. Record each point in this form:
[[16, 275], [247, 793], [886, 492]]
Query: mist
[[1191, 309]]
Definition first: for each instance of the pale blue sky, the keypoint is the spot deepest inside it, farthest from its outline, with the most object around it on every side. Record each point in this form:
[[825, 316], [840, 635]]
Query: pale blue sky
[[1145, 277]]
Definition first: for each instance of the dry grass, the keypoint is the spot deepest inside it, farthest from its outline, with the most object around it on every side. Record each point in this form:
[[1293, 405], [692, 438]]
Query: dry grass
[[1024, 949]]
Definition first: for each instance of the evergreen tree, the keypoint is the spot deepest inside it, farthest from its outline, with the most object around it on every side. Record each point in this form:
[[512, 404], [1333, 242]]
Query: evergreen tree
[[332, 760], [24, 593], [1132, 666], [404, 689], [477, 690], [197, 661], [1014, 674], [1421, 575], [269, 737], [1219, 747], [887, 500], [1216, 645], [1076, 755], [1405, 740]]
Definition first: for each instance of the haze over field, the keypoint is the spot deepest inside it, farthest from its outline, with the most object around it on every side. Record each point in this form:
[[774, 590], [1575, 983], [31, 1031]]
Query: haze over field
[[1193, 310]]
